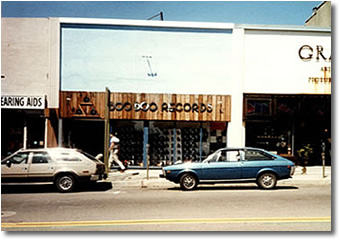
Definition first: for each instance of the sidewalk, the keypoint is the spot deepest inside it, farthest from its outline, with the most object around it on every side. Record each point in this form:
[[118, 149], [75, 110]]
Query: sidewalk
[[138, 179]]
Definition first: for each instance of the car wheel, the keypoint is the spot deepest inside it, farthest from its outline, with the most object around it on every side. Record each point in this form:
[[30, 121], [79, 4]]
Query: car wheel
[[188, 181], [65, 183], [267, 181]]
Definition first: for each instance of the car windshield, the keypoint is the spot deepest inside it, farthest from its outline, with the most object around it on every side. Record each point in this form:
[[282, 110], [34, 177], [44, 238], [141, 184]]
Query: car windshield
[[9, 156], [211, 157], [16, 158]]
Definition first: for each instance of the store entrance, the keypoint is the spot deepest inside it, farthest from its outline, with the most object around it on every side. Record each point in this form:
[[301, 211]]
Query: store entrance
[[87, 135], [285, 124], [13, 125]]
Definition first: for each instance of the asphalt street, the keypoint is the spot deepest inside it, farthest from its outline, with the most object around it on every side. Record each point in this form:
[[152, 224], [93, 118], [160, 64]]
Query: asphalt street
[[105, 207]]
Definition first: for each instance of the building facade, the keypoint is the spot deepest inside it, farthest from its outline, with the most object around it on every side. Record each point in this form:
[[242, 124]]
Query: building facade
[[178, 90], [322, 16]]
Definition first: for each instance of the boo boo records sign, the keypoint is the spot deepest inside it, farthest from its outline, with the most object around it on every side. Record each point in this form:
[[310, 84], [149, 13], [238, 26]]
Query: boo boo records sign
[[166, 107]]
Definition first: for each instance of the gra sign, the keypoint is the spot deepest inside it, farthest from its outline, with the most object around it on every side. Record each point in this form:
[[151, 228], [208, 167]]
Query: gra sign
[[307, 53], [324, 76]]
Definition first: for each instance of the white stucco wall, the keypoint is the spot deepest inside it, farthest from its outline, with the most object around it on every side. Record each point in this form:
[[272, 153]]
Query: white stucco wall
[[182, 61], [26, 58], [272, 63]]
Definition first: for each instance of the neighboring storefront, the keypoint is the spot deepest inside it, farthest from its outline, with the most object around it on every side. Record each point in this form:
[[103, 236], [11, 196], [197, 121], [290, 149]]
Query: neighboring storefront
[[287, 91], [29, 84], [22, 123]]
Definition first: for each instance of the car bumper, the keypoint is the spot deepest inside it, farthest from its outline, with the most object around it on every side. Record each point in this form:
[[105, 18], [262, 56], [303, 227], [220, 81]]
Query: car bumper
[[97, 177], [161, 176]]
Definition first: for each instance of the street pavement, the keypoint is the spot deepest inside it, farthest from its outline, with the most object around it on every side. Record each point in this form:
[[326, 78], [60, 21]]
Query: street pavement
[[138, 200], [141, 178]]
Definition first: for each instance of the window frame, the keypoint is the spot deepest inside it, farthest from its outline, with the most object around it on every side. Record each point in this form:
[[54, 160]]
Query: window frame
[[270, 157], [16, 154], [43, 153]]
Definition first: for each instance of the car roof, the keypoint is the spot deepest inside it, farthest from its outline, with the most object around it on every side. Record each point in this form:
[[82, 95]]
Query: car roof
[[242, 148], [55, 149], [52, 148]]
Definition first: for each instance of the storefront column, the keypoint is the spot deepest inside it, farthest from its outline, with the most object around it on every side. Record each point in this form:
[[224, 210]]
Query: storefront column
[[60, 132], [146, 144], [25, 135], [201, 138], [46, 133], [236, 127], [174, 145]]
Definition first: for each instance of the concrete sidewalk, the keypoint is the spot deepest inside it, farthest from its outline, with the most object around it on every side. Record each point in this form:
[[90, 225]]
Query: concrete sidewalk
[[140, 178]]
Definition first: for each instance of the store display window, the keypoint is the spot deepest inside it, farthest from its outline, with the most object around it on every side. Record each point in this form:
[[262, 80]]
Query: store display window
[[296, 121], [168, 142], [130, 134]]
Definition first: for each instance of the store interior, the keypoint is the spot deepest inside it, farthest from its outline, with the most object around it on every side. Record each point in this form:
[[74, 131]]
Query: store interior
[[289, 124]]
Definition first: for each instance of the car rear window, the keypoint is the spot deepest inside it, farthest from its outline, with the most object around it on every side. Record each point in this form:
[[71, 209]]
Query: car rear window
[[89, 156], [253, 155]]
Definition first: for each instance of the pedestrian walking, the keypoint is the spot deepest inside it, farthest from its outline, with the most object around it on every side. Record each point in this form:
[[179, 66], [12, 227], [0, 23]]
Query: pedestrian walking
[[114, 149]]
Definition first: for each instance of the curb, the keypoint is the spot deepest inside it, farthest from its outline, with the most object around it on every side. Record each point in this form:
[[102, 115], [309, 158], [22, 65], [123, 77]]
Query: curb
[[138, 180]]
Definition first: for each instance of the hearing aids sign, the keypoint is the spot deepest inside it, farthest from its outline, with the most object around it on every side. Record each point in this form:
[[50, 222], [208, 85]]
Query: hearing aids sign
[[22, 102]]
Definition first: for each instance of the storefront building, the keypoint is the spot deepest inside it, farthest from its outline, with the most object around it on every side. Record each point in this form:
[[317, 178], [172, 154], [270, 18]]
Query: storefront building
[[287, 90], [29, 84], [180, 90], [168, 100]]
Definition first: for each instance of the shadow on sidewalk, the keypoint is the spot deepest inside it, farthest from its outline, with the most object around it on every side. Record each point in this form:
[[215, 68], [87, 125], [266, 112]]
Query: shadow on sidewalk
[[27, 189], [232, 188]]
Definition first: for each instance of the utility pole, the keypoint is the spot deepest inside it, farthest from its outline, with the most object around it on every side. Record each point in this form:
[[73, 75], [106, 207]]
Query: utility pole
[[107, 130], [323, 157]]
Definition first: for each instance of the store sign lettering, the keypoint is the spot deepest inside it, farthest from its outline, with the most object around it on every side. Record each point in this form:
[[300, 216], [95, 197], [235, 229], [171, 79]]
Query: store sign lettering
[[166, 107], [324, 78], [307, 53], [23, 102]]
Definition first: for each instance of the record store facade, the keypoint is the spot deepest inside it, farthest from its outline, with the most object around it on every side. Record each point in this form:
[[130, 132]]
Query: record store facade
[[181, 90]]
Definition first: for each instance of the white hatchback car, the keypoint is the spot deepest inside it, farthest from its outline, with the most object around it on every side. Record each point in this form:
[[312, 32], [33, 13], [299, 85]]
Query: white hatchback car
[[63, 167]]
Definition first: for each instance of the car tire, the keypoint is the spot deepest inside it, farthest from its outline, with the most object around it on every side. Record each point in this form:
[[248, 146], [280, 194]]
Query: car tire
[[65, 183], [267, 181], [188, 182]]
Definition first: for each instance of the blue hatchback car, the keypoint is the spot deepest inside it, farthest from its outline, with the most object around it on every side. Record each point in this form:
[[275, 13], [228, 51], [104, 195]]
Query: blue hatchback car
[[233, 165]]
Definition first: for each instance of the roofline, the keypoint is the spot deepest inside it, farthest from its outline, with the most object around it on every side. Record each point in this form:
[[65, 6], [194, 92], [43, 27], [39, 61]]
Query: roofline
[[147, 23], [285, 28], [193, 25], [315, 12], [188, 25]]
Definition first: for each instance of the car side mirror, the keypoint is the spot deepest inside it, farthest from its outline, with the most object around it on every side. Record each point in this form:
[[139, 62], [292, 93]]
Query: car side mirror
[[8, 163]]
